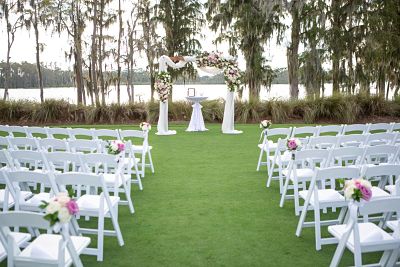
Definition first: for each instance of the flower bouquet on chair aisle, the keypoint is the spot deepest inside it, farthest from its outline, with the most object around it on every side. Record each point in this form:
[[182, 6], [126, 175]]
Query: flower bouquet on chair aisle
[[145, 126], [59, 210], [293, 144], [116, 147], [264, 125], [358, 190]]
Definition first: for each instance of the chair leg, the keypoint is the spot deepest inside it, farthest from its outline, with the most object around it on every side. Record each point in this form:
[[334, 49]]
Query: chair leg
[[259, 160], [100, 238], [127, 188], [317, 226], [357, 259], [296, 198], [284, 191], [270, 174], [114, 219], [151, 161]]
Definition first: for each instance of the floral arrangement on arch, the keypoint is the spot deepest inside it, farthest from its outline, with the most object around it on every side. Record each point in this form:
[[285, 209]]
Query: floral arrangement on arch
[[163, 85], [229, 66]]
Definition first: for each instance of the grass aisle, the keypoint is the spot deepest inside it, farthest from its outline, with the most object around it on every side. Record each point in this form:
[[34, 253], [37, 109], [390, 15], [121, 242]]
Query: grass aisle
[[207, 206]]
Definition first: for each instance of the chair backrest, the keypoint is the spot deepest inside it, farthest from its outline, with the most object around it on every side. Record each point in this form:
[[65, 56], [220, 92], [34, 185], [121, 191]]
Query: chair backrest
[[337, 173], [354, 129], [330, 130], [23, 143], [80, 178], [323, 142], [20, 158], [63, 160], [381, 138], [312, 157], [52, 145], [37, 132], [390, 170], [352, 140], [305, 131], [81, 133], [59, 133], [100, 160], [381, 205], [17, 131], [5, 159], [374, 154], [83, 145], [346, 156], [4, 142], [4, 130], [379, 127], [125, 134], [106, 134], [395, 127]]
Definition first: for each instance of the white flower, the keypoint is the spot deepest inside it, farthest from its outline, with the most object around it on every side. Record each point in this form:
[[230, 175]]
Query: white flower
[[114, 146], [298, 142], [63, 215], [349, 189], [365, 183], [53, 207], [63, 198]]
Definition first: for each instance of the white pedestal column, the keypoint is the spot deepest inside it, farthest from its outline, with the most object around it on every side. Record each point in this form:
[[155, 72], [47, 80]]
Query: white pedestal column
[[228, 123], [162, 125]]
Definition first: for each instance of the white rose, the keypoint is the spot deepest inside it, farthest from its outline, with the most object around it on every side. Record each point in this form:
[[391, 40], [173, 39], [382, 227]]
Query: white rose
[[63, 198], [298, 142], [365, 183], [114, 146], [53, 207], [349, 189], [63, 215]]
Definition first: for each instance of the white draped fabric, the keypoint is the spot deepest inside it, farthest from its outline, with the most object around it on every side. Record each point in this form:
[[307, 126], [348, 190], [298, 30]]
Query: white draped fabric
[[196, 120], [229, 112]]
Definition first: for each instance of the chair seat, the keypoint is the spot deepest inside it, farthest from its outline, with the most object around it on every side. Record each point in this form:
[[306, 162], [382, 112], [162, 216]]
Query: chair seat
[[37, 199], [392, 225], [46, 246], [369, 233], [20, 240], [24, 195], [302, 174], [325, 196], [271, 145], [92, 203], [378, 192], [391, 189]]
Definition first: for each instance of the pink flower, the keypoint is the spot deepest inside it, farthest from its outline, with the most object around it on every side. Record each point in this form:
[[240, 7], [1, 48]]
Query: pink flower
[[121, 146], [292, 144], [365, 191], [72, 207]]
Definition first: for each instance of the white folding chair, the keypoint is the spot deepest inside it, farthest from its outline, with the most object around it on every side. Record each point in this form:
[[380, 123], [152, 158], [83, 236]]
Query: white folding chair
[[379, 127], [303, 133], [4, 142], [53, 145], [144, 149], [37, 132], [131, 164], [59, 133], [346, 156], [46, 249], [6, 199], [268, 147], [318, 199], [6, 163], [93, 205], [84, 146], [350, 129], [329, 130], [106, 134], [63, 161], [381, 154], [281, 159], [81, 133], [381, 139], [28, 160], [352, 140], [18, 184], [17, 131], [322, 142], [300, 171], [382, 174], [112, 171], [20, 239], [362, 237], [23, 143]]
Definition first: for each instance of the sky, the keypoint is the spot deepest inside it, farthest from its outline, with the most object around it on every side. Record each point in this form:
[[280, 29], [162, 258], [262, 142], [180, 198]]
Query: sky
[[55, 48]]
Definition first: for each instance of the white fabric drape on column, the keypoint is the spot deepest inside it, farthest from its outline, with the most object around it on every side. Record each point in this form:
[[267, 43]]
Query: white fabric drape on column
[[228, 123]]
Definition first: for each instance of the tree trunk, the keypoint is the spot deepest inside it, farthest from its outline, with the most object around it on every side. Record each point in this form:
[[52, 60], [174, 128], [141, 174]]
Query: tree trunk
[[38, 67], [119, 53], [335, 49], [101, 53], [94, 55], [9, 44], [293, 55]]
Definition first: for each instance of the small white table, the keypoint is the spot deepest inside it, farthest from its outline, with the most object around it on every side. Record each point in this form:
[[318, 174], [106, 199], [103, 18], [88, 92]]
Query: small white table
[[196, 121]]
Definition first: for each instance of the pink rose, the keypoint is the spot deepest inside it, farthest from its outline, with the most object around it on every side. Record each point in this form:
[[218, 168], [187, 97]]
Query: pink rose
[[72, 207], [365, 191], [292, 144], [121, 146]]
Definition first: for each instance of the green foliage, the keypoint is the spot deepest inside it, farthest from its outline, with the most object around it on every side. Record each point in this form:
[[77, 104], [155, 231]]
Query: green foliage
[[335, 109]]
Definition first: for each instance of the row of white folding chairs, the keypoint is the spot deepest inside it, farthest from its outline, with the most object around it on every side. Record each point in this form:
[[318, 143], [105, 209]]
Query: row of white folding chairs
[[117, 174], [347, 230], [315, 131], [81, 145], [142, 146], [272, 152], [94, 201]]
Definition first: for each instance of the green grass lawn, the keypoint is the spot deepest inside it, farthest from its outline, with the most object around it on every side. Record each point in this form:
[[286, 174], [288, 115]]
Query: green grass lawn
[[207, 206]]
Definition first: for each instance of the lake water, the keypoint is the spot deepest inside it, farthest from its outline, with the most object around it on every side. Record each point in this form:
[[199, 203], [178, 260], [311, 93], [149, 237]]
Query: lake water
[[142, 92]]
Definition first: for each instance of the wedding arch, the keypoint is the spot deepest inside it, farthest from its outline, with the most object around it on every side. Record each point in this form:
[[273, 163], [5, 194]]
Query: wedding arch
[[211, 63]]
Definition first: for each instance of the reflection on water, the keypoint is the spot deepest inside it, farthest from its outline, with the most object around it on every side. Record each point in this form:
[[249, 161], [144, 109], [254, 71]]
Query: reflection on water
[[142, 92]]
